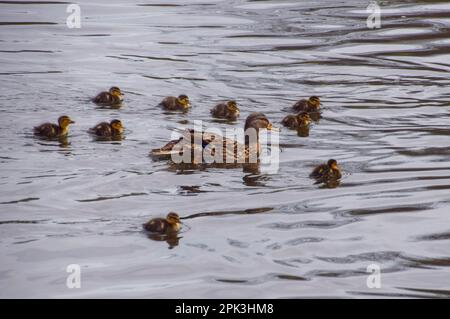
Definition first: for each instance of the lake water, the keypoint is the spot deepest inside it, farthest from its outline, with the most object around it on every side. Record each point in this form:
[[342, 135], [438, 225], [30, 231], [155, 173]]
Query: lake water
[[386, 103]]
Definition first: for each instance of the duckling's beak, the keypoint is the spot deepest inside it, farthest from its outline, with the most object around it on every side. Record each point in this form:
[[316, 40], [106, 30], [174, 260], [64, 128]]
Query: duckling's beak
[[71, 122]]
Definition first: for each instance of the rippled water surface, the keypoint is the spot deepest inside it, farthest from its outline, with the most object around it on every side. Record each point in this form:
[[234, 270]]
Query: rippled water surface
[[386, 104]]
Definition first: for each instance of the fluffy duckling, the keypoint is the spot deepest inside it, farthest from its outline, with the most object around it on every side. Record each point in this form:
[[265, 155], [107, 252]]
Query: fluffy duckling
[[310, 105], [297, 121], [105, 129], [51, 130], [172, 103], [327, 172], [113, 97], [232, 152], [170, 224], [228, 110]]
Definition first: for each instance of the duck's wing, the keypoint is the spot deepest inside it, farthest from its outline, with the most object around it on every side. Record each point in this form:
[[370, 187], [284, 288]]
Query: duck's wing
[[169, 103], [103, 97], [47, 129], [101, 129], [319, 171], [290, 121], [300, 106], [157, 225]]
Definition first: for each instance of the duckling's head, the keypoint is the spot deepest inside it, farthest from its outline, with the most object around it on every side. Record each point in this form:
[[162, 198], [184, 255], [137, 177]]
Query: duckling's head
[[332, 164], [183, 99], [304, 118], [64, 121], [314, 101], [233, 108], [117, 126], [173, 218], [115, 91]]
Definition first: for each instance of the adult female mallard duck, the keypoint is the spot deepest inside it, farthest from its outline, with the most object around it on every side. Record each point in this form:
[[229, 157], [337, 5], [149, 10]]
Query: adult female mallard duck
[[105, 129], [310, 105], [228, 110], [170, 224], [172, 103], [51, 130], [297, 121], [327, 172], [113, 97], [196, 147]]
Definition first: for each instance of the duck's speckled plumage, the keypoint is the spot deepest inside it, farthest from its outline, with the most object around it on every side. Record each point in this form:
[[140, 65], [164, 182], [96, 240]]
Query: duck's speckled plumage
[[113, 97], [327, 172], [232, 152], [172, 103], [105, 129], [228, 110], [51, 130], [169, 224], [310, 105]]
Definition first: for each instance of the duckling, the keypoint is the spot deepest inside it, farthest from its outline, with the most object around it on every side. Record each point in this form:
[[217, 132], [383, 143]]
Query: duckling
[[327, 172], [51, 130], [170, 224], [105, 129], [310, 105], [231, 152], [113, 97], [172, 103], [228, 110], [297, 121]]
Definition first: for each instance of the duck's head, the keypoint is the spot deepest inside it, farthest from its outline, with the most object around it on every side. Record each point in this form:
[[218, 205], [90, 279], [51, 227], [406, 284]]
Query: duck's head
[[304, 118], [258, 121], [117, 126], [183, 99], [64, 121], [115, 91], [314, 101], [173, 218], [233, 108], [333, 165]]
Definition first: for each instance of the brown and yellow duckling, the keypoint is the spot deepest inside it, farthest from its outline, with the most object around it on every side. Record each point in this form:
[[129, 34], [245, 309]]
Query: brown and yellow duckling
[[172, 103], [105, 129], [310, 105], [113, 97], [297, 121], [228, 110], [51, 130], [231, 152], [170, 224], [327, 172]]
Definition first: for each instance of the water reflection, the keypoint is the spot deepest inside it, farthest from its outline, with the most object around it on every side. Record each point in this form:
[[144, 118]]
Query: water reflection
[[303, 131], [172, 239]]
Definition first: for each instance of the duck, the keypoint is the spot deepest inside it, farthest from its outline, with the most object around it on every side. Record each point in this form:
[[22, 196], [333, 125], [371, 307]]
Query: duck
[[228, 110], [105, 129], [113, 97], [51, 130], [170, 224], [190, 147], [297, 121], [327, 172], [310, 105], [172, 103]]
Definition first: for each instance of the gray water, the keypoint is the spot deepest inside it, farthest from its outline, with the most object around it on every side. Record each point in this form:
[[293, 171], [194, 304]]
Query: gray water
[[385, 119]]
